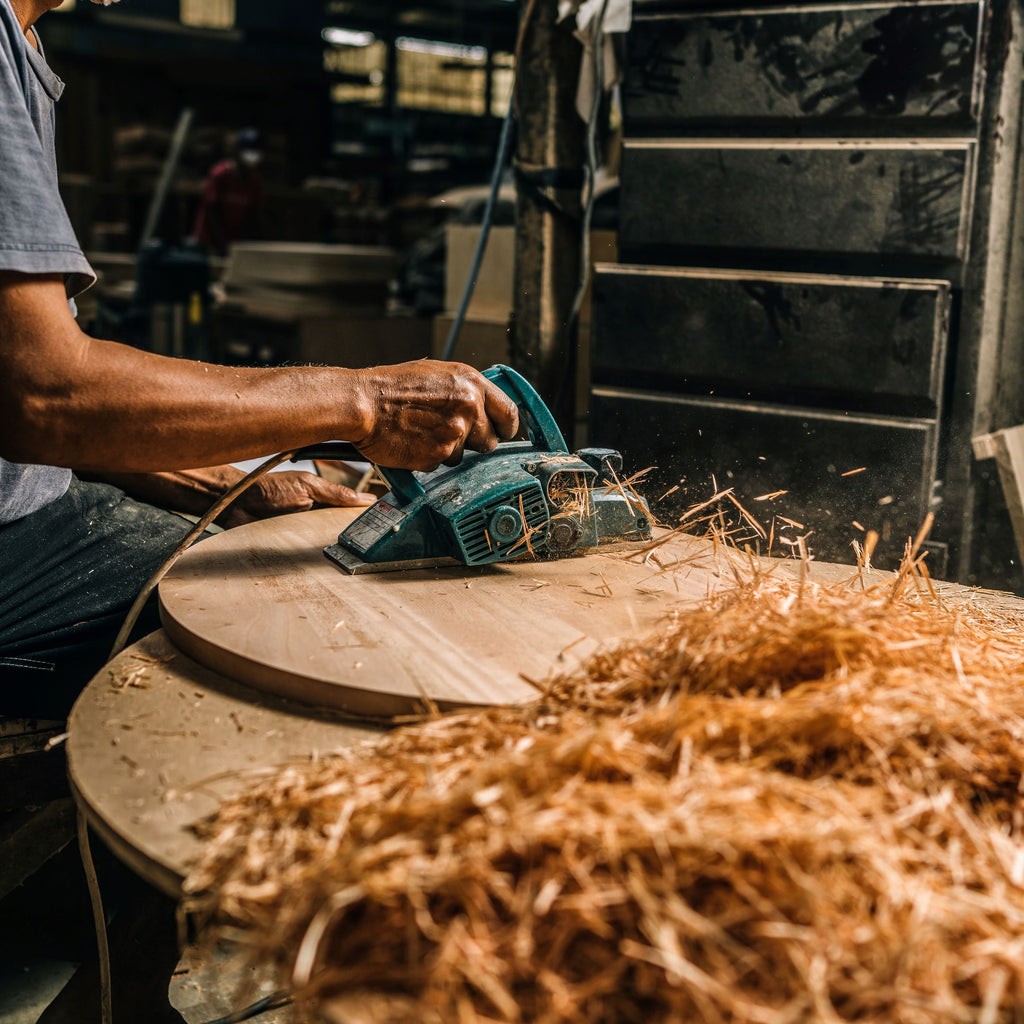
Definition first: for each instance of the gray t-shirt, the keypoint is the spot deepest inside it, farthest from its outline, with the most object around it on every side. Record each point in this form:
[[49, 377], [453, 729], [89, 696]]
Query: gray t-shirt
[[36, 236]]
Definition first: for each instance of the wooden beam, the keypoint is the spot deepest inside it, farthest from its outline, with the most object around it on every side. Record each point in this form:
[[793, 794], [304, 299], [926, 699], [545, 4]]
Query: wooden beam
[[549, 158]]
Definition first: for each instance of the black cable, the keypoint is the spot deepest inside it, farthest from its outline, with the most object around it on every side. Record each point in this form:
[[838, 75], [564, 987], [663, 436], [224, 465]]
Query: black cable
[[272, 1002], [193, 535], [590, 169], [485, 230]]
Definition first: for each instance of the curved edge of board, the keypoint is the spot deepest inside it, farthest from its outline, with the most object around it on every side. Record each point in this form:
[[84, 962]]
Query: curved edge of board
[[374, 704]]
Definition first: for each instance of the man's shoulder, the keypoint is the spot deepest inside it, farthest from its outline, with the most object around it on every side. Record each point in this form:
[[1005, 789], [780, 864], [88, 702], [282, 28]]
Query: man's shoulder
[[11, 45]]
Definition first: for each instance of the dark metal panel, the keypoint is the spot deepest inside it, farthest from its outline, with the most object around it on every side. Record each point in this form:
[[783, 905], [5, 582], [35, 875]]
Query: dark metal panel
[[858, 197], [759, 449], [835, 62], [858, 341]]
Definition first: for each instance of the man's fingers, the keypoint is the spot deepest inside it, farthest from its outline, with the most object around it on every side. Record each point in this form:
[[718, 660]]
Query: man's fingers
[[481, 436], [456, 456], [501, 411], [326, 492], [500, 421]]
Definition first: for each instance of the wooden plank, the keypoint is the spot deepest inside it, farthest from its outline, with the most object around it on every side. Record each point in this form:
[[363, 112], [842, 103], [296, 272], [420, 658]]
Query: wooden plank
[[1007, 448], [830, 63], [859, 340], [307, 265], [262, 604], [835, 468], [292, 279], [831, 196], [29, 838]]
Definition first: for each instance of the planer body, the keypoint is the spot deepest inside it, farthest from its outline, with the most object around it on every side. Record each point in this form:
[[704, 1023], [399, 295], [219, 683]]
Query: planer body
[[527, 498]]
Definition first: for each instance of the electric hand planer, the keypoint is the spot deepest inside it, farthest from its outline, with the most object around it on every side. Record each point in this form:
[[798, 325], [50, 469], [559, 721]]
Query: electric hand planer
[[527, 498]]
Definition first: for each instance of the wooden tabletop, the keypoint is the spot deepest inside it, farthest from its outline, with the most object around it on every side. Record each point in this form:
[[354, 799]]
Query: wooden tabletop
[[157, 740]]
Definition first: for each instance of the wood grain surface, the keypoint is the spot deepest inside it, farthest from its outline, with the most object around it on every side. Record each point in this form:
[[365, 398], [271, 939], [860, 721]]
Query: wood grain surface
[[261, 604], [155, 742]]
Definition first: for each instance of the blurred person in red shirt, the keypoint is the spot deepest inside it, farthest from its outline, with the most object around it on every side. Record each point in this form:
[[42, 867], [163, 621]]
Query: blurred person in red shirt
[[232, 200]]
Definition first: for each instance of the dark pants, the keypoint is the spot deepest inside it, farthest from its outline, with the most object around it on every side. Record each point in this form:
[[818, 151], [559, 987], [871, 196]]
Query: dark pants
[[68, 575]]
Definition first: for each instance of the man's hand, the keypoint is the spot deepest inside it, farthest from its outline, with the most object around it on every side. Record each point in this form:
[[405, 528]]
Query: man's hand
[[418, 415], [291, 491]]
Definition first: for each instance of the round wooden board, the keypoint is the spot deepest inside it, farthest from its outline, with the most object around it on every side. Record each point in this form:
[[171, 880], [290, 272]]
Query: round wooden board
[[155, 742], [262, 604]]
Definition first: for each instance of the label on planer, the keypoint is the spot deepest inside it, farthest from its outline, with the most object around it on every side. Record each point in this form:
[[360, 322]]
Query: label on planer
[[376, 521]]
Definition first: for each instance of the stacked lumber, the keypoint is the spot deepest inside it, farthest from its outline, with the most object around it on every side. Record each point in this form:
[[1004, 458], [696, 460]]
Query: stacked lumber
[[293, 279]]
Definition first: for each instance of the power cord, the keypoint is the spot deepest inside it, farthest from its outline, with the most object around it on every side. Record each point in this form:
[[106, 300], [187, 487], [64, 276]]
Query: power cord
[[485, 229], [590, 169], [98, 918], [190, 538]]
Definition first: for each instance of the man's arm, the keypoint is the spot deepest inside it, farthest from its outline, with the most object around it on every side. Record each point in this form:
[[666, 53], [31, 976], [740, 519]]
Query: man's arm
[[70, 400]]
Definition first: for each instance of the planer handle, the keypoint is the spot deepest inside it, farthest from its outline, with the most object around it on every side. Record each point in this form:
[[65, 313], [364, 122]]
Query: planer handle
[[540, 425]]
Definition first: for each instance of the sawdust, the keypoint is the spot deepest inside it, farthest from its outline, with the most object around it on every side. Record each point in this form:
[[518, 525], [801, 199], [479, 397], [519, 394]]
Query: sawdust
[[798, 801]]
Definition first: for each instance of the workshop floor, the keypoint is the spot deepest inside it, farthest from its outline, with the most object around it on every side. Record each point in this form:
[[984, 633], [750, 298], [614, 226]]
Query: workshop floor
[[46, 934]]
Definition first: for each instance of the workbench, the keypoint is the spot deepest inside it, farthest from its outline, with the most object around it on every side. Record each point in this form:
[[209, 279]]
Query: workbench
[[157, 739]]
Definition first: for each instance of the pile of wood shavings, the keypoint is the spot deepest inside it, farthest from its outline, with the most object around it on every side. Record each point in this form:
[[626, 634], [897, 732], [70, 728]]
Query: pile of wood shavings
[[797, 802]]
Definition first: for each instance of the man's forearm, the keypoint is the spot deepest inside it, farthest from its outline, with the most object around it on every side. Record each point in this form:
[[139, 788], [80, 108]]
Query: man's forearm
[[96, 406], [189, 490], [137, 412]]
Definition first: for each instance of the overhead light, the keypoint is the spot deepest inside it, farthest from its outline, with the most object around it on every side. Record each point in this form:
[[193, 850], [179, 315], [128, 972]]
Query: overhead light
[[439, 49], [347, 37]]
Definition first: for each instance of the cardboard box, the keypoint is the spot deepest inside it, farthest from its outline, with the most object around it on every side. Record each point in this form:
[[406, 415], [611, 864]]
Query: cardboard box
[[359, 341], [493, 296], [481, 343]]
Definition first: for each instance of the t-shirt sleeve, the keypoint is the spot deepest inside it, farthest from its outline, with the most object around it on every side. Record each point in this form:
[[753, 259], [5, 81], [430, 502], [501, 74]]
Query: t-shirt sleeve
[[36, 235]]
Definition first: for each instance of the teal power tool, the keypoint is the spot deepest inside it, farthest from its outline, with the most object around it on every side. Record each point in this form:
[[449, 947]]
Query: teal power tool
[[525, 499]]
